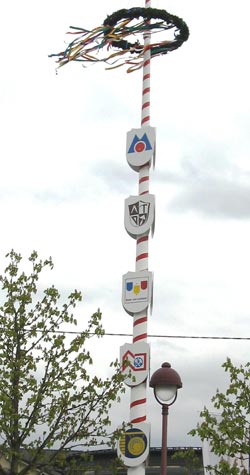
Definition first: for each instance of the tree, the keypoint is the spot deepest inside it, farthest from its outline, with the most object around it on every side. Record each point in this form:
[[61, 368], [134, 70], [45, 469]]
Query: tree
[[227, 429], [189, 458], [48, 399]]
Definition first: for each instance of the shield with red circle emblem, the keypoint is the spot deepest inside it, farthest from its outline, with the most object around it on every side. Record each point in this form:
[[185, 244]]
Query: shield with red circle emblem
[[140, 147]]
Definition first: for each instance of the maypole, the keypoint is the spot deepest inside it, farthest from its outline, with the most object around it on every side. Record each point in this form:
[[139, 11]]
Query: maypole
[[138, 399], [114, 37]]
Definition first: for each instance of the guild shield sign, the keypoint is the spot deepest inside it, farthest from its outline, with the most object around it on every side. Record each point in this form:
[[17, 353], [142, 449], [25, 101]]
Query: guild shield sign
[[140, 147], [133, 445], [137, 291], [139, 214], [134, 359]]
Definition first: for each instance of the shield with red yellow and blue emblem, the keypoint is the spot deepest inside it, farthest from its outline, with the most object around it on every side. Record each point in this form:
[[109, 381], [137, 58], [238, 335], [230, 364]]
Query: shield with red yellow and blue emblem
[[137, 291]]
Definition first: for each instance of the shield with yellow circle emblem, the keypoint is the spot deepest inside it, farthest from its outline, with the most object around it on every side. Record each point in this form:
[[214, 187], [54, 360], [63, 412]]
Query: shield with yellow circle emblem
[[133, 445]]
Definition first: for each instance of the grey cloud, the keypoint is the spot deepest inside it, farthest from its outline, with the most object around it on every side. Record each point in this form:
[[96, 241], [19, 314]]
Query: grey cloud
[[117, 177], [211, 186], [216, 198]]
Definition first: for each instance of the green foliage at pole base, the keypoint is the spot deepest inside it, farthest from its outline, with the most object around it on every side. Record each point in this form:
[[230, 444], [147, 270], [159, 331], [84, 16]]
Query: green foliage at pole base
[[49, 398], [188, 458], [227, 427]]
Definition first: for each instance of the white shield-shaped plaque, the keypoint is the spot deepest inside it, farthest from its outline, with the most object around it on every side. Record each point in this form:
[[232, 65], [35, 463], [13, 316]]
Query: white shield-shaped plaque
[[137, 291], [139, 216], [140, 147], [133, 445], [134, 359]]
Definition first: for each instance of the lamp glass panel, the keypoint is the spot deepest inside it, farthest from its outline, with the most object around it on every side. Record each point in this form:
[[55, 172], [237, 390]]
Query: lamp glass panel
[[165, 392]]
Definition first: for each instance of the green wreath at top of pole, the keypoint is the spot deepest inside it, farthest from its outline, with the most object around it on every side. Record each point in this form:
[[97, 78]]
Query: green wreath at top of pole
[[171, 21], [113, 33]]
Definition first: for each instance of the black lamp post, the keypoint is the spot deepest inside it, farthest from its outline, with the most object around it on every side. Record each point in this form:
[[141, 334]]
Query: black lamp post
[[165, 382]]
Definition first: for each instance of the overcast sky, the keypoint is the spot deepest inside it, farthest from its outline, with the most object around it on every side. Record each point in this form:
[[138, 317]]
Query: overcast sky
[[64, 178]]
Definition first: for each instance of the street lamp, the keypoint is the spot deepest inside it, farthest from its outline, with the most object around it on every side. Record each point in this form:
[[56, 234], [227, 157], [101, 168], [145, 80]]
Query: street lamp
[[165, 382]]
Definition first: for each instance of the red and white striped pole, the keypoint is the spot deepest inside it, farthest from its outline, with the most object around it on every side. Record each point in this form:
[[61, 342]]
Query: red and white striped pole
[[138, 393], [138, 398]]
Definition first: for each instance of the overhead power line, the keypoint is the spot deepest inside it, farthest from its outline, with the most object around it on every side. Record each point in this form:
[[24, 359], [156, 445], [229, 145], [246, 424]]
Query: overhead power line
[[195, 337]]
